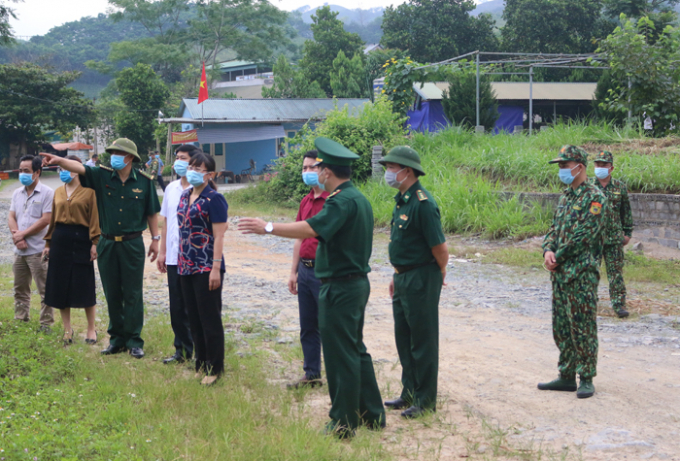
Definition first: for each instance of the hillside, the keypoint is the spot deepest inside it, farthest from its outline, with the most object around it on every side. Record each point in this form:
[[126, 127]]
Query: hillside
[[360, 16]]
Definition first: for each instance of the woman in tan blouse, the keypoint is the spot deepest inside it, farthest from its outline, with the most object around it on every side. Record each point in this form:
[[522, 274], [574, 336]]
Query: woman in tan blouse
[[71, 247]]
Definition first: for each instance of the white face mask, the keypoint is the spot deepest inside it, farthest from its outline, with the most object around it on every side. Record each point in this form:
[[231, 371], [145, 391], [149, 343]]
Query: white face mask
[[391, 178]]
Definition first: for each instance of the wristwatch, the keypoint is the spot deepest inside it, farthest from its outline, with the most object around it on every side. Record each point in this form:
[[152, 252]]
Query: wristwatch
[[269, 228], [156, 237]]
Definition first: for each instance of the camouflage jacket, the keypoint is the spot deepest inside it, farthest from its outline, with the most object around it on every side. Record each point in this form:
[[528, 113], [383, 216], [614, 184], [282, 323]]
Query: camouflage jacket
[[152, 168], [576, 232], [618, 215]]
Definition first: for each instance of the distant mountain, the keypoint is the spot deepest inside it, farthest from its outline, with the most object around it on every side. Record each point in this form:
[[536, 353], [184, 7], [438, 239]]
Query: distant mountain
[[493, 7], [360, 16]]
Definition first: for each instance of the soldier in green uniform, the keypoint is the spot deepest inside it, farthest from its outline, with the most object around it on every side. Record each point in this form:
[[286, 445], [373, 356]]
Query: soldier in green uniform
[[570, 251], [344, 228], [127, 202], [419, 255], [618, 229]]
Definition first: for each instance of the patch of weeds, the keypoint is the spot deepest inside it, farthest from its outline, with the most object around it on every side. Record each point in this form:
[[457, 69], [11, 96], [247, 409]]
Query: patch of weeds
[[517, 257], [640, 268]]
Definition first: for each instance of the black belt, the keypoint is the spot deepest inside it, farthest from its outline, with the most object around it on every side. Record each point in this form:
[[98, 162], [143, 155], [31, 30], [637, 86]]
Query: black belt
[[402, 269], [307, 262], [343, 278], [122, 238]]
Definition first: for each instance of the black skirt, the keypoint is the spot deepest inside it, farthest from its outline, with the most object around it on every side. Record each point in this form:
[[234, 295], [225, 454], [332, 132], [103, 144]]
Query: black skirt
[[70, 273]]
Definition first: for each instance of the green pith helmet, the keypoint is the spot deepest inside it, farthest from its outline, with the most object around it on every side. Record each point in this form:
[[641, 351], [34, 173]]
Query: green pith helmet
[[404, 155], [333, 153], [605, 156], [571, 154], [125, 145]]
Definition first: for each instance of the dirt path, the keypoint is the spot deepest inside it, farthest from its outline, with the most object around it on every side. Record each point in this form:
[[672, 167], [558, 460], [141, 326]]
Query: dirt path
[[495, 345]]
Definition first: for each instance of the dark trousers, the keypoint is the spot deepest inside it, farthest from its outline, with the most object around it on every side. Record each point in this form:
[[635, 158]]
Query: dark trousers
[[161, 182], [179, 320], [310, 338], [415, 305], [354, 392], [204, 308], [121, 267]]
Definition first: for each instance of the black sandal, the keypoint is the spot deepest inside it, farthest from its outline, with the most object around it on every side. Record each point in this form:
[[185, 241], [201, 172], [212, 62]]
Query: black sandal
[[91, 341], [69, 340]]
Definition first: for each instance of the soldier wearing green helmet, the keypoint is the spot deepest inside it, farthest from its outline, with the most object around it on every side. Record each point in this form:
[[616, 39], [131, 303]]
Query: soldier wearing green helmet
[[419, 255], [127, 202]]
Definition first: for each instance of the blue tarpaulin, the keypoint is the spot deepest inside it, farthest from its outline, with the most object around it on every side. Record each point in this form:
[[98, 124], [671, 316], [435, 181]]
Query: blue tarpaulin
[[429, 117], [509, 117]]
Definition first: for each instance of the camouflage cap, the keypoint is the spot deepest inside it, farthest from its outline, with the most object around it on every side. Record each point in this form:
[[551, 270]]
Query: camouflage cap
[[604, 156], [570, 153], [125, 145]]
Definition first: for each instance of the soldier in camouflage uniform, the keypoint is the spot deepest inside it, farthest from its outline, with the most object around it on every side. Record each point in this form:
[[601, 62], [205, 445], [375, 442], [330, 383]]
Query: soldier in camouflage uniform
[[618, 229], [570, 251]]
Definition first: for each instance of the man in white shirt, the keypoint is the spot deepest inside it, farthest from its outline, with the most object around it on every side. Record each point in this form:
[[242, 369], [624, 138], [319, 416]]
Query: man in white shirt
[[167, 258], [29, 216], [93, 161]]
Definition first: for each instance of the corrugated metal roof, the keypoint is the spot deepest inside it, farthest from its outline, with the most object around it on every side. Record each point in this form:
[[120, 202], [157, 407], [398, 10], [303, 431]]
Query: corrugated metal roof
[[520, 91], [266, 110]]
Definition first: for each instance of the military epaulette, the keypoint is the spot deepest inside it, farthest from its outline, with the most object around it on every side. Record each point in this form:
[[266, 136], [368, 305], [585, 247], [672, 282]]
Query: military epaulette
[[421, 195], [104, 167], [335, 193], [145, 174]]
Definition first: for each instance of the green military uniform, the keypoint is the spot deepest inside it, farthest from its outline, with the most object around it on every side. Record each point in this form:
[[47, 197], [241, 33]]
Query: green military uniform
[[345, 232], [416, 229], [153, 168], [576, 239], [618, 223], [123, 211]]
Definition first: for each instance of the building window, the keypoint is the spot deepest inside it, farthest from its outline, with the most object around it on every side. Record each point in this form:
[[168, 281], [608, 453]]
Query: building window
[[219, 149]]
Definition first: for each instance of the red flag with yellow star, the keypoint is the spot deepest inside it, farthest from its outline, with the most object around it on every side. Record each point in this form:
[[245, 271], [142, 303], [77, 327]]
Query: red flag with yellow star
[[203, 89]]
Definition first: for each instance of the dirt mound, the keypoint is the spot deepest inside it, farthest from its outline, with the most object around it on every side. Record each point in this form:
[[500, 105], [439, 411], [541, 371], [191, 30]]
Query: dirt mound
[[660, 146]]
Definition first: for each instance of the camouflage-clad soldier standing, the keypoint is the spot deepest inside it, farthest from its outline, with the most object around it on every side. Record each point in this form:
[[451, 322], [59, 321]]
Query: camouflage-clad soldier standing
[[571, 250], [618, 229]]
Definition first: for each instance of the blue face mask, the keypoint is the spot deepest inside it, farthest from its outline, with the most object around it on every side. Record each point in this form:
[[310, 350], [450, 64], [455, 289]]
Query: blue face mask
[[181, 167], [565, 175], [321, 185], [195, 178], [65, 176], [601, 173], [118, 162], [310, 178], [26, 179]]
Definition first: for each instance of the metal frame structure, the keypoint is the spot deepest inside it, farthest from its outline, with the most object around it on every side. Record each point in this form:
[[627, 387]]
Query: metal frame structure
[[523, 60]]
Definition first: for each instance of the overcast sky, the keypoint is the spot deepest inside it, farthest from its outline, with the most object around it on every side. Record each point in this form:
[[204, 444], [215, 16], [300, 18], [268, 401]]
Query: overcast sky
[[37, 17]]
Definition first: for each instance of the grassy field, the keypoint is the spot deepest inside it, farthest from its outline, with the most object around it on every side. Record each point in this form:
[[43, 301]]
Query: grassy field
[[7, 182], [71, 404]]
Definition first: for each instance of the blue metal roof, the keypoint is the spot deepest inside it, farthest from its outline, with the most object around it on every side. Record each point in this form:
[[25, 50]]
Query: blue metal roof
[[265, 110]]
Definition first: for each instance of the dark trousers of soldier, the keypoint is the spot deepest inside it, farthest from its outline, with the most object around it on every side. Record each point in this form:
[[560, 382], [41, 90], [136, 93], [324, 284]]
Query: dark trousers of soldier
[[415, 305], [355, 397], [179, 319], [204, 308], [613, 260], [161, 182], [121, 267], [310, 337], [575, 325]]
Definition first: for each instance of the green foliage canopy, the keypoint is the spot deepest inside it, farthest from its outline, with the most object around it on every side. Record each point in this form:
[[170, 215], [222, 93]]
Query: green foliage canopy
[[460, 100], [348, 77], [290, 82]]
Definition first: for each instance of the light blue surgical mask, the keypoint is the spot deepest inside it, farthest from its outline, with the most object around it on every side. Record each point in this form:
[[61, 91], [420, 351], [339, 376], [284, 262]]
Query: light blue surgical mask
[[322, 185], [181, 167], [391, 178], [565, 175], [118, 161], [310, 178], [195, 178], [26, 179], [601, 173], [65, 176]]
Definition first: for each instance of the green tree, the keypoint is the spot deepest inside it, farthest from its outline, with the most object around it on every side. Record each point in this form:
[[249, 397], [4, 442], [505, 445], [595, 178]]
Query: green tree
[[6, 13], [639, 56], [348, 77], [143, 94], [290, 82], [660, 12], [460, 100], [551, 26], [330, 37], [33, 99], [436, 30]]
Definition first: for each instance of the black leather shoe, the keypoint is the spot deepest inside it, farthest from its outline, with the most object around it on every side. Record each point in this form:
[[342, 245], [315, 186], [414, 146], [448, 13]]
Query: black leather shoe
[[413, 412], [622, 314], [113, 350], [137, 352], [177, 358], [397, 404]]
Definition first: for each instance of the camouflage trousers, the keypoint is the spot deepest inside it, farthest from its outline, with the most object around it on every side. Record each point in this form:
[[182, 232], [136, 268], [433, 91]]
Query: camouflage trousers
[[613, 260], [574, 313]]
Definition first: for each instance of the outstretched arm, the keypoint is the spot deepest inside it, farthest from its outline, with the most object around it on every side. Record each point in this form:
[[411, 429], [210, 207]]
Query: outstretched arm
[[69, 165], [296, 230]]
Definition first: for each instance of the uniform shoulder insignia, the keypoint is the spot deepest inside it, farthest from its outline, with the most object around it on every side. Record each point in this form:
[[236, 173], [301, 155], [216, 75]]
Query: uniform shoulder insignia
[[335, 193], [145, 174], [104, 167], [596, 208], [421, 195]]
